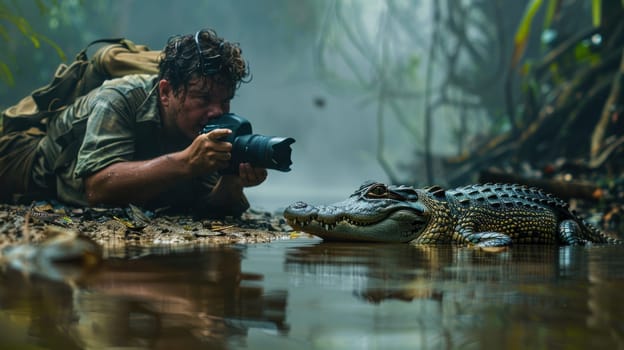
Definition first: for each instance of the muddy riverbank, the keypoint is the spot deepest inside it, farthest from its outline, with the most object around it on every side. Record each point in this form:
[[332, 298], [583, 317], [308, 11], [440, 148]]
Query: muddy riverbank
[[132, 225]]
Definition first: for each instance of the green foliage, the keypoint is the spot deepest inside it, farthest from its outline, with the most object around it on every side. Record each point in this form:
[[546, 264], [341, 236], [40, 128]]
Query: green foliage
[[553, 5], [5, 74], [584, 52], [596, 12], [524, 28], [13, 24]]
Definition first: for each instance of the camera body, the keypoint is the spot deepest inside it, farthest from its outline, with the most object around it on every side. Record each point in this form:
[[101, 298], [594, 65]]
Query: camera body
[[258, 150]]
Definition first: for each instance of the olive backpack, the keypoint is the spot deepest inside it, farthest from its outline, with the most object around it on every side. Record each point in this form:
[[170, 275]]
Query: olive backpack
[[117, 58]]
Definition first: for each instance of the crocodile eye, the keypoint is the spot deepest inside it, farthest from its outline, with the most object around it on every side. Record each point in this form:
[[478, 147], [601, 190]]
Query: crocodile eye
[[377, 191]]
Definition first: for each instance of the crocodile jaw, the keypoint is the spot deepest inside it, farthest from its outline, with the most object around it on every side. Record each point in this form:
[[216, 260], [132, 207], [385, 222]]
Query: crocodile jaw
[[398, 226]]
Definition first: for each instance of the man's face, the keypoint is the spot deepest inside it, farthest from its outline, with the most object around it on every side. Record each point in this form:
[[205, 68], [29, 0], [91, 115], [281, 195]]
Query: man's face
[[189, 111]]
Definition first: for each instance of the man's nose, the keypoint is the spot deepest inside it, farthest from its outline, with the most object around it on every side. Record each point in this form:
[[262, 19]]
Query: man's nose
[[215, 112]]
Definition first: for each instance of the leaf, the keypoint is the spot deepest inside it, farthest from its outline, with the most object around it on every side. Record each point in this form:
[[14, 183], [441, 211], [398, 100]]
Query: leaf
[[128, 224], [42, 6], [551, 10], [596, 12], [524, 29], [294, 235], [26, 30], [55, 46], [5, 74], [67, 219]]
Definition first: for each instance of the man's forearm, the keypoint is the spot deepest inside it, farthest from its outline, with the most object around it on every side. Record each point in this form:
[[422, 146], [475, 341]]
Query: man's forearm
[[136, 181]]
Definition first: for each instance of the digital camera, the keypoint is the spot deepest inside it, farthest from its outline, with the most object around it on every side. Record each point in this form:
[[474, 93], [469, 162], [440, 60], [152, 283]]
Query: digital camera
[[258, 150]]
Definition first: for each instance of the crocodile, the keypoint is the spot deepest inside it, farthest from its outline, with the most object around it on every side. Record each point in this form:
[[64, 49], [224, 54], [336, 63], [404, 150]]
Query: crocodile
[[485, 215]]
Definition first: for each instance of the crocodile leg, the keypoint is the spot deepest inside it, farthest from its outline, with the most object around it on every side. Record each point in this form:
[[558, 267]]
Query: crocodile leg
[[490, 239], [570, 233], [485, 239]]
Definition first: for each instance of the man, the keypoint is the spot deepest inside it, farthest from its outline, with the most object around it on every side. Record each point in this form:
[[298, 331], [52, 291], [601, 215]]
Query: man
[[136, 139]]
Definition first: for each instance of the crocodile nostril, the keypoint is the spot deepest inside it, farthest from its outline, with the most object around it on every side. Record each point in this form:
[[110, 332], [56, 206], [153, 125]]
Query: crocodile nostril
[[299, 205]]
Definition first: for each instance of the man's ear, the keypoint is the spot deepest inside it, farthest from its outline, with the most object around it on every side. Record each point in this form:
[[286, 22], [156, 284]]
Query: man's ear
[[165, 92]]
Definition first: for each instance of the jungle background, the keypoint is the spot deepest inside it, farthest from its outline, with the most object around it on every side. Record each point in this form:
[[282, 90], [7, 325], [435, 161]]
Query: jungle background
[[414, 92]]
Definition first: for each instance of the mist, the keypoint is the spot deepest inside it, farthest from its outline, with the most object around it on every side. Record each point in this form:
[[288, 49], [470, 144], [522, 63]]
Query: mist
[[335, 131], [335, 125]]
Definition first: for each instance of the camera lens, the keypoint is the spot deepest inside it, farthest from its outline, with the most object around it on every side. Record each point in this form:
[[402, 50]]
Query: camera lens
[[258, 150], [263, 151]]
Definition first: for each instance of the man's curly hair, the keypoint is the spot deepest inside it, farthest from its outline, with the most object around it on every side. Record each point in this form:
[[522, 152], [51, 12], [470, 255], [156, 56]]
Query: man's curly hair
[[203, 54]]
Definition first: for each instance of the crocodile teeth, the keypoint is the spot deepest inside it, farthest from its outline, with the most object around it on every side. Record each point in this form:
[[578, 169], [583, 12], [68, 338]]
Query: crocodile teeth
[[299, 222], [351, 221]]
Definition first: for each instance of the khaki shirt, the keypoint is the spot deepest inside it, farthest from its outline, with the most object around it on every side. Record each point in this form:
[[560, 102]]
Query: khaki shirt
[[119, 121]]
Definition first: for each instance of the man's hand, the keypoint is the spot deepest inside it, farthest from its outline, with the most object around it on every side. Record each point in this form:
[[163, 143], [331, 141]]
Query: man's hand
[[140, 181], [251, 176], [208, 153], [248, 176]]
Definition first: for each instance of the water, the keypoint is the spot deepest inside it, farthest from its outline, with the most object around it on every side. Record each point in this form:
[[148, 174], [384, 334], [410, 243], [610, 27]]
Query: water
[[307, 294]]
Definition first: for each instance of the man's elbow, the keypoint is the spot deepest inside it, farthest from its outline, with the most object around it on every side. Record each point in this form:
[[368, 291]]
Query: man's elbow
[[101, 189], [98, 191], [93, 192]]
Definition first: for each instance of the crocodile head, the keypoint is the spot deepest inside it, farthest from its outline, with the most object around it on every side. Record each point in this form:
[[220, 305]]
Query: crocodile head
[[375, 212]]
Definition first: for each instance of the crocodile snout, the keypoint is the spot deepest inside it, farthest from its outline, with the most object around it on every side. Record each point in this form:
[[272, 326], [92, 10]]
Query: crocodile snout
[[300, 210]]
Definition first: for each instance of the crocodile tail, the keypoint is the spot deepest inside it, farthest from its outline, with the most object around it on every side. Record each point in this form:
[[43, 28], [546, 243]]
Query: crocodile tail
[[612, 240], [596, 235]]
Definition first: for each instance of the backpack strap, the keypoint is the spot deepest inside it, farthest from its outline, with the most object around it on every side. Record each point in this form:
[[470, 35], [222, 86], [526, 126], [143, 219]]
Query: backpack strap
[[75, 80], [128, 44]]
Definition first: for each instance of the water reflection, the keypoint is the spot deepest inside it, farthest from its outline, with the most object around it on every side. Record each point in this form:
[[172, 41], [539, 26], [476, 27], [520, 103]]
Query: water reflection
[[407, 272], [527, 296], [312, 294], [184, 299]]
